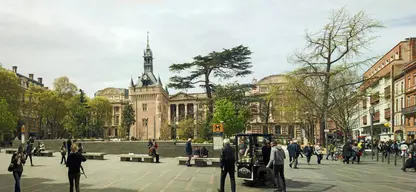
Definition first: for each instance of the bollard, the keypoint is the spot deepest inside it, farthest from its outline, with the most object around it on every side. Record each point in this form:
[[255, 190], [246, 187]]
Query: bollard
[[395, 160], [388, 157], [377, 153]]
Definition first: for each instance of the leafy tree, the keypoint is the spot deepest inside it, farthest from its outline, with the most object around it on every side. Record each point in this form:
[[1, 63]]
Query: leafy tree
[[64, 87], [100, 111], [75, 119], [225, 112], [11, 91], [186, 128], [165, 131], [226, 64], [52, 109], [7, 119], [128, 118], [335, 48]]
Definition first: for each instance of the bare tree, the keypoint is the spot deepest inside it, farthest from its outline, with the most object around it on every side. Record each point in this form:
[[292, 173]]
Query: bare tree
[[335, 48]]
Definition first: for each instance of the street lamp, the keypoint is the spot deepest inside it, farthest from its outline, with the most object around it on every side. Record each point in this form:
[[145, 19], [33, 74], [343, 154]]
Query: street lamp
[[372, 131]]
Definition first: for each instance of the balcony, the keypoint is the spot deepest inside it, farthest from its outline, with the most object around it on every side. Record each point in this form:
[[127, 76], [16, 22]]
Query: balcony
[[375, 98], [387, 113], [409, 110], [387, 92]]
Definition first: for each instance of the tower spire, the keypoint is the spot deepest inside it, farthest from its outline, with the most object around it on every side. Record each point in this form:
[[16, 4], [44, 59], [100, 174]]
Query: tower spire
[[148, 46]]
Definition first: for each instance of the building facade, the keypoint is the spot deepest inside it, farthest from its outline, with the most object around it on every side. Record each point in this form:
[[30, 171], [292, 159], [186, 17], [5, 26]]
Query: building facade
[[380, 86], [410, 98], [118, 98], [399, 123]]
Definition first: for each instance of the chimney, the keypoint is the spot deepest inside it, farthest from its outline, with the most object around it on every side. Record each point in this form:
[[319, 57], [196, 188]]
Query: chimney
[[40, 80], [14, 69], [31, 76]]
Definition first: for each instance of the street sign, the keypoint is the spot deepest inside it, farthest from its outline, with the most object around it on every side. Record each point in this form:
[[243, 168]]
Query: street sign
[[326, 130], [217, 128], [22, 129]]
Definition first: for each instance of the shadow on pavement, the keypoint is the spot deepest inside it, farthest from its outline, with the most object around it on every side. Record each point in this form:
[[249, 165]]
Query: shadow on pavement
[[45, 185], [299, 185]]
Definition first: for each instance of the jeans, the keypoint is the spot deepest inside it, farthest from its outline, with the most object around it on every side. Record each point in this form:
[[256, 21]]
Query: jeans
[[346, 159], [63, 160], [74, 177], [308, 158], [157, 158], [30, 157], [294, 161], [279, 177], [232, 179], [189, 160], [319, 158], [17, 175]]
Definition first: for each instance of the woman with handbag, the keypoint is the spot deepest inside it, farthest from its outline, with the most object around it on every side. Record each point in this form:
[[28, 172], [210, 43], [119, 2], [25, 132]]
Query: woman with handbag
[[16, 166]]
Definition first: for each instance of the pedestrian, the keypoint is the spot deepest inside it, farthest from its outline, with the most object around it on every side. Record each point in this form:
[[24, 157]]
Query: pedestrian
[[80, 148], [17, 161], [276, 162], [227, 162], [346, 153], [318, 153], [330, 151], [289, 147], [150, 144], [188, 149], [63, 152], [294, 151], [266, 149], [29, 149], [308, 151], [154, 154], [69, 144], [74, 165], [411, 162], [354, 153]]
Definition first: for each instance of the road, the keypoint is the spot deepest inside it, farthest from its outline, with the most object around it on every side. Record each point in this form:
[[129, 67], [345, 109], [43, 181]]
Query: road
[[111, 175]]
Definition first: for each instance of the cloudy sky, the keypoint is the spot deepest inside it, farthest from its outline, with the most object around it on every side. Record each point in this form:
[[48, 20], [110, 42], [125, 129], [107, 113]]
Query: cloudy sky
[[99, 43]]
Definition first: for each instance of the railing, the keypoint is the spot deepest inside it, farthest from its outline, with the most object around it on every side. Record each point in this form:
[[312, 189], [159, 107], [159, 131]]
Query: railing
[[409, 110]]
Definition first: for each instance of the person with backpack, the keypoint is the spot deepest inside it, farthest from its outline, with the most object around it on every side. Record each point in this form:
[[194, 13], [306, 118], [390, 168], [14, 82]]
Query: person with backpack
[[411, 162], [276, 162], [16, 166]]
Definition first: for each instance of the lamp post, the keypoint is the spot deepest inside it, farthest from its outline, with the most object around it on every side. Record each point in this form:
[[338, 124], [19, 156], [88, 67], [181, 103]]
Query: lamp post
[[372, 131]]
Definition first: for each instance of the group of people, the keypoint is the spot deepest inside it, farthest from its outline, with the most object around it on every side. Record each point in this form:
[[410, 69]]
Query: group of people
[[152, 145], [73, 163]]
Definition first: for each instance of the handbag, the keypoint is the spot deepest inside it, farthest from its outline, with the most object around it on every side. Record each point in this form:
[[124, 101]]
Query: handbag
[[11, 167]]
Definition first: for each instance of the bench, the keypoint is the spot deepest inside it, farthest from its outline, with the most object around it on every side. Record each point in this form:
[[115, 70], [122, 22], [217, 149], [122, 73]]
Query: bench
[[200, 162], [137, 158], [182, 160], [11, 151], [46, 153], [96, 156]]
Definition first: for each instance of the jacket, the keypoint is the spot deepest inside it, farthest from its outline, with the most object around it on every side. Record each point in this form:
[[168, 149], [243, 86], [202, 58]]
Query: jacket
[[227, 158], [294, 150], [318, 150], [29, 148], [308, 151], [277, 156], [346, 150], [18, 159], [188, 148], [74, 162]]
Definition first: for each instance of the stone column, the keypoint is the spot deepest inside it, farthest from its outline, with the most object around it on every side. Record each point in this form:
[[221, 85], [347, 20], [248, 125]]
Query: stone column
[[169, 120], [177, 112], [186, 110]]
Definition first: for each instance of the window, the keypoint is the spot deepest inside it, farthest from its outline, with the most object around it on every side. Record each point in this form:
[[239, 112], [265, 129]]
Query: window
[[397, 104], [414, 78], [387, 61], [408, 82], [277, 130], [401, 120], [116, 120], [144, 106], [401, 87], [401, 103], [396, 56], [397, 88], [145, 121], [408, 101], [408, 121]]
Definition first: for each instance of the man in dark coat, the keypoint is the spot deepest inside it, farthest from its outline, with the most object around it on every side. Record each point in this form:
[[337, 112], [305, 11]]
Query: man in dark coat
[[411, 162], [266, 149], [294, 151], [188, 149], [227, 161], [347, 152]]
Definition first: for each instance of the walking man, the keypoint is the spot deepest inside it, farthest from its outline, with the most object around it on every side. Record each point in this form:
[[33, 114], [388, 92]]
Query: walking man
[[29, 149], [227, 161], [411, 162], [294, 151], [188, 149], [277, 160], [74, 168]]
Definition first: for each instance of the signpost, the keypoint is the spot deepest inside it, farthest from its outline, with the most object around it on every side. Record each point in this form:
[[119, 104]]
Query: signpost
[[217, 135]]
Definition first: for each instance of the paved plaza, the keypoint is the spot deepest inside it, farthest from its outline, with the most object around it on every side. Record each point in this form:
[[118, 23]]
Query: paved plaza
[[111, 175]]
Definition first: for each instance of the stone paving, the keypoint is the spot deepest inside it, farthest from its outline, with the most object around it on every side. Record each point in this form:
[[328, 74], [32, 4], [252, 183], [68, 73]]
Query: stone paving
[[111, 175]]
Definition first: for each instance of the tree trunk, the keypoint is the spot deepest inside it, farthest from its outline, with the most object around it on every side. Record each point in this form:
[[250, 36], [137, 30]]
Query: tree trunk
[[209, 96]]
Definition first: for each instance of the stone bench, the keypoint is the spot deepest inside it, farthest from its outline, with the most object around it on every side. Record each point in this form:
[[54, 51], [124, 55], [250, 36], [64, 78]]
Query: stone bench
[[96, 156], [138, 158], [46, 153], [200, 162], [11, 151]]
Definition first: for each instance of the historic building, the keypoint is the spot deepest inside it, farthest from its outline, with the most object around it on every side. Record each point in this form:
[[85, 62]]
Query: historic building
[[380, 86], [119, 98], [150, 101], [283, 125], [399, 91], [33, 126]]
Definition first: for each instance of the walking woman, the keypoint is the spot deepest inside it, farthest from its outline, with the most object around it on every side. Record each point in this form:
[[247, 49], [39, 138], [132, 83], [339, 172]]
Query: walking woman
[[318, 152], [74, 165], [308, 151], [18, 159], [63, 152], [29, 149]]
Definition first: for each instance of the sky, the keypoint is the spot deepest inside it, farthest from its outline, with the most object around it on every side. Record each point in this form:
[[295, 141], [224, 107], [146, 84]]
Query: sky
[[100, 43]]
